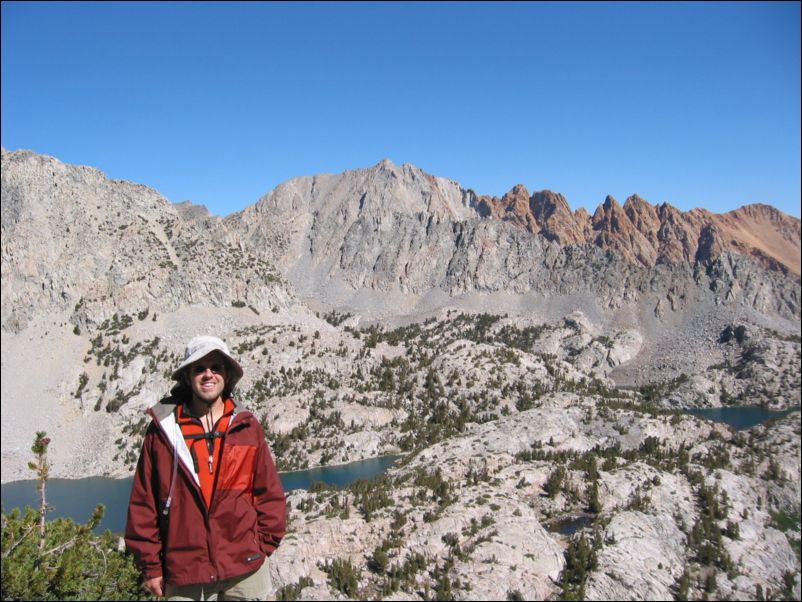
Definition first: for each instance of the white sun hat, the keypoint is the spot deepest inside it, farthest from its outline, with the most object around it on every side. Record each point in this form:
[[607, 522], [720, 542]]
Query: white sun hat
[[203, 345]]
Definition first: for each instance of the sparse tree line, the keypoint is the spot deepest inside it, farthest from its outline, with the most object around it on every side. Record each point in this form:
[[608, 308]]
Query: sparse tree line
[[496, 386]]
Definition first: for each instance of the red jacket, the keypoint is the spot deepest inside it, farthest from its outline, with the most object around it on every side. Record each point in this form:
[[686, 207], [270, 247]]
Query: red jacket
[[169, 529]]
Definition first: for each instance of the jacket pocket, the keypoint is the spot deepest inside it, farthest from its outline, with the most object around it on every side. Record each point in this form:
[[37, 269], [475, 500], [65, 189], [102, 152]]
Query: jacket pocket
[[237, 468]]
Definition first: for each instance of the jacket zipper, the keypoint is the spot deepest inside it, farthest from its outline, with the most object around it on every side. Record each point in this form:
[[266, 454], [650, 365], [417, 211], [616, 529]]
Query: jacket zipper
[[208, 511], [195, 487]]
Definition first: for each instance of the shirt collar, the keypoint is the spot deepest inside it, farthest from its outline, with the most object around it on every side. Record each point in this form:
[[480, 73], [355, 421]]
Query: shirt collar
[[183, 416]]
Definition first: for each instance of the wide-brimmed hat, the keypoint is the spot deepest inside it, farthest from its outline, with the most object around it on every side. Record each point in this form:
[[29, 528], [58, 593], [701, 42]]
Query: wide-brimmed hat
[[200, 347]]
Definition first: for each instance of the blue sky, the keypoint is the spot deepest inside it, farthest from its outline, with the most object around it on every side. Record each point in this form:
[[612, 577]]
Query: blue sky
[[693, 104]]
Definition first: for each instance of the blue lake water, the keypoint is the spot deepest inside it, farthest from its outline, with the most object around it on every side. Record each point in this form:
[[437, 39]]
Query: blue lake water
[[572, 524], [77, 498], [742, 417]]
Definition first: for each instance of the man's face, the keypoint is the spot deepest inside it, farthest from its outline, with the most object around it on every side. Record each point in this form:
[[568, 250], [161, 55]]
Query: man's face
[[207, 377]]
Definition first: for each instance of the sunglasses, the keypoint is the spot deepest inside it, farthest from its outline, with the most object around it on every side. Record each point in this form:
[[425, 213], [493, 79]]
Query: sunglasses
[[217, 368]]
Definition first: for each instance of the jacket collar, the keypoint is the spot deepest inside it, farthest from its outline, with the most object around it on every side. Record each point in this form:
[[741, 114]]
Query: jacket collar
[[164, 414]]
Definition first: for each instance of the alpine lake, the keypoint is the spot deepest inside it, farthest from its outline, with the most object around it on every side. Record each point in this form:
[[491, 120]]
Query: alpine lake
[[77, 498]]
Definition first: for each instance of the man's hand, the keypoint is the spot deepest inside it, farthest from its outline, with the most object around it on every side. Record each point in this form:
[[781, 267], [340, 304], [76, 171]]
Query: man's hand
[[155, 586]]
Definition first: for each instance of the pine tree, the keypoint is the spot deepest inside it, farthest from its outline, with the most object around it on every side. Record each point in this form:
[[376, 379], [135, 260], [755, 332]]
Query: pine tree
[[67, 561], [594, 505], [42, 469], [555, 481], [684, 585], [342, 576], [379, 561]]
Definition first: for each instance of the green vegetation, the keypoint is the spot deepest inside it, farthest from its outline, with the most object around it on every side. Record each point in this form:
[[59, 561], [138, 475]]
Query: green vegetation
[[442, 376], [60, 559], [335, 319], [115, 353], [555, 481], [581, 558], [371, 496], [657, 391], [342, 576], [785, 521], [789, 523], [116, 324], [82, 380], [293, 591], [705, 539]]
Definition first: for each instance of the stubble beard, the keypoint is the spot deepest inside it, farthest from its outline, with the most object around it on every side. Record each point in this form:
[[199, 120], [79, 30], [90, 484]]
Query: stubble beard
[[203, 400]]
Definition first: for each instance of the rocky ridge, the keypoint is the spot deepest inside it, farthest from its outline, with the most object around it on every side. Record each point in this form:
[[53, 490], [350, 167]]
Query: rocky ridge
[[372, 238], [347, 241], [650, 234], [478, 516], [74, 242]]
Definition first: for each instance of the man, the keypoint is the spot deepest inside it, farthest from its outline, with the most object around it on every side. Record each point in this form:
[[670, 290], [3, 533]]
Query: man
[[207, 506]]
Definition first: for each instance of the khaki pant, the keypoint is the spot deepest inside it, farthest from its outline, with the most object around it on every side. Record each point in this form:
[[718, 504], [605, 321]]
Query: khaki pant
[[256, 586]]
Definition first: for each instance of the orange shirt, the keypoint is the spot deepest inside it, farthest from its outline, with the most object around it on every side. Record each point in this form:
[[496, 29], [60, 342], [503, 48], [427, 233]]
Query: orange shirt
[[201, 449]]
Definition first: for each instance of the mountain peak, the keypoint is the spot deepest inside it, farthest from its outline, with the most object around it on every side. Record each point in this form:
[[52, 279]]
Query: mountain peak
[[546, 203], [636, 201], [386, 164], [610, 202], [518, 194]]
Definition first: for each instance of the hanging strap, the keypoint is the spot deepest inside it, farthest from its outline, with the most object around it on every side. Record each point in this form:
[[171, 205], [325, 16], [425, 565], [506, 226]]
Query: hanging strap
[[169, 502], [209, 437]]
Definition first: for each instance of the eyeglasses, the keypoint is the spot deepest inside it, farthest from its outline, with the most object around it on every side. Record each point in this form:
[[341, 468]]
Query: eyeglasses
[[217, 368]]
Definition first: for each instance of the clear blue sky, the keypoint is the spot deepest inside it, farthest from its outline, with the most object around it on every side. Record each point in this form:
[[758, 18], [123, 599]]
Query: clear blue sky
[[693, 104]]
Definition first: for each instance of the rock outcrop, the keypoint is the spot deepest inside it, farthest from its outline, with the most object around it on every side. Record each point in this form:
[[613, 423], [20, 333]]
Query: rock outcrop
[[479, 515], [653, 234], [77, 243]]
